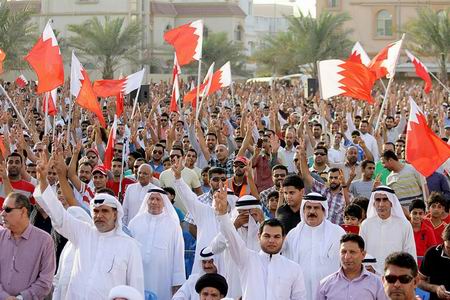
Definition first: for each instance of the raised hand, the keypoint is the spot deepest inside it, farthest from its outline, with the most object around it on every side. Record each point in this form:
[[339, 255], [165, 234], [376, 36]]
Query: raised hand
[[220, 203], [177, 167]]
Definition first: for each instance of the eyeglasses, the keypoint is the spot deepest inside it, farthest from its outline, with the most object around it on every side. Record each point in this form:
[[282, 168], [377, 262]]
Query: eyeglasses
[[118, 150], [99, 201], [91, 157], [239, 166], [38, 150], [319, 153], [163, 120], [404, 279], [157, 152], [175, 155], [279, 175], [217, 179], [8, 209]]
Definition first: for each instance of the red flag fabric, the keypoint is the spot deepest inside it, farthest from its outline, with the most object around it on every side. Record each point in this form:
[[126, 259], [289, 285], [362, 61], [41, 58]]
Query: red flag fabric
[[175, 86], [108, 87], [220, 79], [346, 78], [109, 151], [359, 55], [81, 89], [119, 104], [46, 60], [3, 148], [51, 98], [2, 59], [421, 71], [187, 40], [21, 81], [384, 63], [424, 149]]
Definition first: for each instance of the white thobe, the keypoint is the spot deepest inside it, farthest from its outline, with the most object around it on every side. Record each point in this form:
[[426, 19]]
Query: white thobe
[[263, 276], [187, 290], [371, 144], [162, 248], [205, 219], [318, 257], [383, 237], [134, 195], [62, 277], [103, 260]]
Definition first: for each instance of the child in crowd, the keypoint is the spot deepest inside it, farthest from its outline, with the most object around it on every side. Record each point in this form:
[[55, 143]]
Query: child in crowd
[[171, 195], [437, 207], [423, 234], [272, 204], [352, 218]]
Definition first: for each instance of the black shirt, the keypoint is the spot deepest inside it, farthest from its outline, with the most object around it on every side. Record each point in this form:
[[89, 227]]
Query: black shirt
[[287, 217], [436, 266]]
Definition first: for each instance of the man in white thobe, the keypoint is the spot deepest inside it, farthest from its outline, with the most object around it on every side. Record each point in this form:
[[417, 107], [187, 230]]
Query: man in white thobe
[[187, 290], [136, 192], [106, 256], [157, 229], [265, 275], [314, 243], [386, 229]]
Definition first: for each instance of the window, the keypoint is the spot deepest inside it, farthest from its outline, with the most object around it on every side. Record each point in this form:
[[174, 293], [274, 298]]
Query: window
[[333, 3], [238, 33], [384, 23]]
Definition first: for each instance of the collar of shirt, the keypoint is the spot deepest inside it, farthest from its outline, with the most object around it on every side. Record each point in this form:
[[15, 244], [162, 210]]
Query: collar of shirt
[[364, 274], [24, 235]]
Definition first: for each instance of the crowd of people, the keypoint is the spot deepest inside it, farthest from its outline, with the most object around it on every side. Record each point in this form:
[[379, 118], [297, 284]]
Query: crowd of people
[[268, 194]]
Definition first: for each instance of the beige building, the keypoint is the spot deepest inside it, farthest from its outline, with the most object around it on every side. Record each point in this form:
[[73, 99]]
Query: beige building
[[376, 23]]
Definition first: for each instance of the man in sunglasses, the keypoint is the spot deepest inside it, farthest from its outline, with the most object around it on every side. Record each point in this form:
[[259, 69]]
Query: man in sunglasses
[[400, 276], [107, 256], [157, 160]]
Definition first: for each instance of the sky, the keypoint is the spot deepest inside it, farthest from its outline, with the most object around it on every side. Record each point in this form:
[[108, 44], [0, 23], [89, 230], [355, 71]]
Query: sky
[[304, 5]]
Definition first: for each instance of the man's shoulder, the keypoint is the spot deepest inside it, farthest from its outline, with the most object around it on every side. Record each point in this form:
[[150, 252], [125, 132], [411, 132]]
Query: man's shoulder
[[329, 279], [40, 234]]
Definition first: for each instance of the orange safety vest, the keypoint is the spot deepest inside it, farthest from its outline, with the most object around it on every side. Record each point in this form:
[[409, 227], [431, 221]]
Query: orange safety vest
[[245, 188]]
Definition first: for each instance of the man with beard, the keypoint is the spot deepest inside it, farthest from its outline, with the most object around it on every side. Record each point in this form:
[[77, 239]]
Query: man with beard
[[288, 151], [157, 160], [363, 186], [114, 183], [320, 163], [191, 159], [279, 172], [292, 193], [242, 183], [314, 242], [265, 275], [350, 166], [337, 196], [222, 159], [14, 164], [392, 131]]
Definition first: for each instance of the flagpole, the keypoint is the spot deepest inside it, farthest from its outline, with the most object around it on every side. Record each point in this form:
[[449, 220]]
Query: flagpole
[[198, 89], [440, 82], [386, 93], [125, 141], [47, 94], [70, 121], [15, 108]]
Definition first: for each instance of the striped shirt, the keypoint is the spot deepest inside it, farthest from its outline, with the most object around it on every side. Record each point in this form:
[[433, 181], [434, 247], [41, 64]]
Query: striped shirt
[[407, 184], [336, 202]]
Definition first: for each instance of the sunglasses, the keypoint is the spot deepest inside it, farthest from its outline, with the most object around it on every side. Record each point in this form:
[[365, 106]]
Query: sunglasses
[[279, 175], [404, 279], [239, 166], [91, 157], [99, 201], [118, 150], [217, 179], [319, 153], [10, 209], [156, 151], [175, 155]]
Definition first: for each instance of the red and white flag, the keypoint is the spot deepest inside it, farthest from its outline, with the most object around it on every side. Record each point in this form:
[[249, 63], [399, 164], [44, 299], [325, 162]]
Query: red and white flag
[[424, 149], [46, 60], [220, 79], [385, 62], [345, 78], [51, 98], [187, 40], [109, 151], [81, 89], [359, 55], [175, 86], [21, 81], [421, 71]]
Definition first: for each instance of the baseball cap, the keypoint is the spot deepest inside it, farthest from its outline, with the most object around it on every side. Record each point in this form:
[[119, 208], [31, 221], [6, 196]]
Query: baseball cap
[[92, 150], [100, 169], [241, 159]]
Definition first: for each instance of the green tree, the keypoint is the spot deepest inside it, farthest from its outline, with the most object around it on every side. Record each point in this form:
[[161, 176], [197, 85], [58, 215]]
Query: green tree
[[106, 44], [429, 35], [307, 41], [17, 34]]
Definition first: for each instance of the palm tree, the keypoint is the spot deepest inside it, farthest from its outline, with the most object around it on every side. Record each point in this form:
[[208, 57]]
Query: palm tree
[[106, 44], [17, 33], [309, 40], [430, 36]]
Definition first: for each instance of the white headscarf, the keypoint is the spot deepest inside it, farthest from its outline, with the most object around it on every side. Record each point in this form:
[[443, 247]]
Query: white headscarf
[[126, 292], [247, 202], [79, 214], [111, 201], [396, 209], [168, 207]]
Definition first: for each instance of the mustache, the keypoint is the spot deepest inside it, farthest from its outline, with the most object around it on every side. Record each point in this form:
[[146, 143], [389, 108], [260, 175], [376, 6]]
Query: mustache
[[311, 215]]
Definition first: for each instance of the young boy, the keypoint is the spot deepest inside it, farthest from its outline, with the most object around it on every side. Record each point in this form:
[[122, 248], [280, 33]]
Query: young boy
[[423, 234], [436, 206], [272, 204], [171, 195], [353, 215]]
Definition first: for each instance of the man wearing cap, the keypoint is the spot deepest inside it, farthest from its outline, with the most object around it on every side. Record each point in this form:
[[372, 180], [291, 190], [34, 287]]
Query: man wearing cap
[[386, 229], [265, 275], [242, 183], [314, 242], [187, 290], [106, 256], [211, 287], [157, 229], [99, 177]]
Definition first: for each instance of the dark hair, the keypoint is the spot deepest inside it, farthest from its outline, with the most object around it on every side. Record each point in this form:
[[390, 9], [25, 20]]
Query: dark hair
[[362, 202], [294, 180], [318, 125], [85, 163], [389, 154], [15, 154], [205, 170], [332, 170], [351, 237], [321, 148], [21, 200], [140, 159], [356, 132], [169, 190], [419, 204], [159, 145], [106, 191], [364, 121], [272, 223], [216, 170], [401, 260], [165, 115], [166, 159], [446, 233], [116, 159], [436, 197], [390, 117], [358, 117], [212, 133], [354, 210], [193, 150], [179, 149], [390, 143], [135, 155], [273, 194], [366, 162], [280, 167]]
